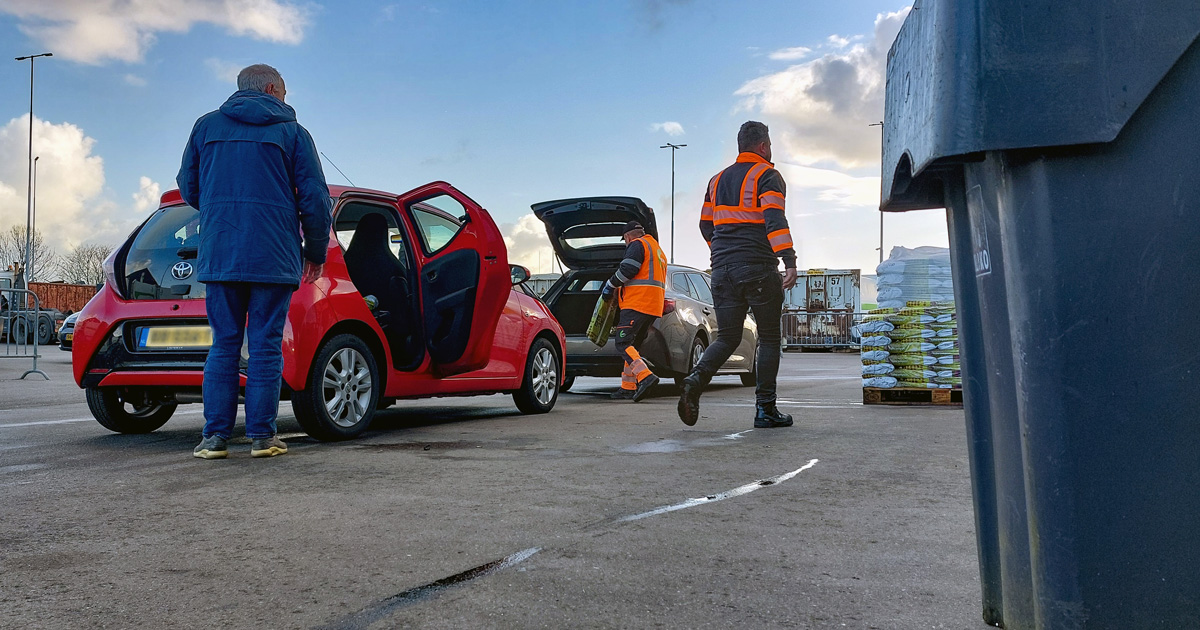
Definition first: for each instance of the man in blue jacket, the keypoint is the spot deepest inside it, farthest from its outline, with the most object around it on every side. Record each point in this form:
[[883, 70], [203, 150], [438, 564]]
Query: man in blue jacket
[[253, 173]]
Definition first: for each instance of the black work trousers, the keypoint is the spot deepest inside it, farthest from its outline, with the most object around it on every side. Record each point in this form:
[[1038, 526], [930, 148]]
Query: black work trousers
[[737, 288]]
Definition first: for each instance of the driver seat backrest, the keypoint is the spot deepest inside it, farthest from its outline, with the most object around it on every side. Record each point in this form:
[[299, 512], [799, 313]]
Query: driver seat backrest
[[371, 263]]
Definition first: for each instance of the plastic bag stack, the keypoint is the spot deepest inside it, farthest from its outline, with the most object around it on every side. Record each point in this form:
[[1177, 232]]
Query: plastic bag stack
[[911, 340]]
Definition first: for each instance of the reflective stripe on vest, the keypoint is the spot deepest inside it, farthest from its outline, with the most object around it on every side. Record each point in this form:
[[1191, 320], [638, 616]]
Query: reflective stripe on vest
[[647, 290], [748, 209]]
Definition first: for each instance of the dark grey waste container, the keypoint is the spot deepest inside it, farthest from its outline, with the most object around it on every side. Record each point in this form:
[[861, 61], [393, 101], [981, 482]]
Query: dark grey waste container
[[1063, 138]]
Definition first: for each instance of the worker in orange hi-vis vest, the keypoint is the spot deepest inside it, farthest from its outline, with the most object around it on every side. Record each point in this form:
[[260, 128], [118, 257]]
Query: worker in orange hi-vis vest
[[640, 288], [743, 222]]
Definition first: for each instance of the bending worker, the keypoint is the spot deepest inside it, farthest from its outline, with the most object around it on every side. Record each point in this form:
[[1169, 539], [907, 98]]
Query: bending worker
[[742, 219], [640, 287]]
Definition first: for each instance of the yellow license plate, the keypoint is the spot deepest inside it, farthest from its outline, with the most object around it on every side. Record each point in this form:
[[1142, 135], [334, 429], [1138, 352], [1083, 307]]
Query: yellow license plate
[[68, 337], [178, 337]]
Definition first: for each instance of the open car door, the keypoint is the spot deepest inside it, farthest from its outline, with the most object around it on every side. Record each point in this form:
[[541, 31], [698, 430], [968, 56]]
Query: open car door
[[464, 276]]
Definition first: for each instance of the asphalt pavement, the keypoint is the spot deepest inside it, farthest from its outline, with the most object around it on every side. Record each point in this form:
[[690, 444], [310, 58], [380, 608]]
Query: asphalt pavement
[[463, 513]]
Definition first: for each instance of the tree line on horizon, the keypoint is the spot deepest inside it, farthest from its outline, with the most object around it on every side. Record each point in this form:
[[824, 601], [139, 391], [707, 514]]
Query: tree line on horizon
[[83, 264]]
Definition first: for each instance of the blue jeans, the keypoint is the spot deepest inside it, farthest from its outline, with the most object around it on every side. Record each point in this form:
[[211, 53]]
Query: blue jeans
[[737, 288], [229, 304]]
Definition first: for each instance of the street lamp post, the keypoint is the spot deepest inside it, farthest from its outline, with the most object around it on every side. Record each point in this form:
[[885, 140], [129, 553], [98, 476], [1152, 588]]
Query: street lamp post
[[880, 125], [33, 217], [673, 148], [29, 187]]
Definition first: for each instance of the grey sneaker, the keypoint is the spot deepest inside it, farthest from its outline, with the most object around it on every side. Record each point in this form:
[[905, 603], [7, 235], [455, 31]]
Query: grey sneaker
[[211, 447], [267, 447]]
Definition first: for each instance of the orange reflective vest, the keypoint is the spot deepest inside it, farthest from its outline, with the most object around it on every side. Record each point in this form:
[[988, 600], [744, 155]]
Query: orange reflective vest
[[646, 292]]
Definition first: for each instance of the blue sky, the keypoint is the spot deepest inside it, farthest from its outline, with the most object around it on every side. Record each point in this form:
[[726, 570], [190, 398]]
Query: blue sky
[[512, 102]]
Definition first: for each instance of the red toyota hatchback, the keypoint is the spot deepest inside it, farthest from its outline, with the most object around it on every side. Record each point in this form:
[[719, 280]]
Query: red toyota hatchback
[[417, 300]]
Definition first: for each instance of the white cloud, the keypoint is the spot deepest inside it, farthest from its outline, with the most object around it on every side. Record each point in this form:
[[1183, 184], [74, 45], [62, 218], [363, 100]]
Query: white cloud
[[71, 208], [148, 194], [819, 110], [135, 80], [837, 41], [794, 53], [95, 31], [528, 244], [226, 71], [672, 128]]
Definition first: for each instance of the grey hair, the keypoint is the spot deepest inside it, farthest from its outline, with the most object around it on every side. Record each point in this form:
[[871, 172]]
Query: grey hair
[[257, 77], [751, 135]]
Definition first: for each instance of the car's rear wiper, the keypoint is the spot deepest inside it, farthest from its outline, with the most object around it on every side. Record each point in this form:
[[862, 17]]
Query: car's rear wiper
[[188, 252]]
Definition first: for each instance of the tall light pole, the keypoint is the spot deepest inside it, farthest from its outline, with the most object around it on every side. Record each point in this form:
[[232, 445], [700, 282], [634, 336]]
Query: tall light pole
[[674, 148], [29, 187], [880, 125], [33, 219]]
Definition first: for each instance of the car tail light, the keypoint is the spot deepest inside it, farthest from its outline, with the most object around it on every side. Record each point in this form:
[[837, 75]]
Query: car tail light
[[110, 271], [668, 306]]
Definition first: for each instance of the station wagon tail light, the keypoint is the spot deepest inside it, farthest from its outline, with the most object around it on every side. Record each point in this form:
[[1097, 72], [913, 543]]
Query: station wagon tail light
[[668, 306]]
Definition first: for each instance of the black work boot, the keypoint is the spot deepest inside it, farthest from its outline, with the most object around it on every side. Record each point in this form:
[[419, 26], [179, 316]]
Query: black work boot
[[768, 416], [622, 394], [644, 387], [689, 400]]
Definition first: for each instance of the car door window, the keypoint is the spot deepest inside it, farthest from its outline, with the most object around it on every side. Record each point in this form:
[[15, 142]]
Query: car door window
[[679, 282], [700, 286], [439, 219]]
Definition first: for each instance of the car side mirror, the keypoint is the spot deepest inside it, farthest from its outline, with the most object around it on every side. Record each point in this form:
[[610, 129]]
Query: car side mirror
[[519, 274]]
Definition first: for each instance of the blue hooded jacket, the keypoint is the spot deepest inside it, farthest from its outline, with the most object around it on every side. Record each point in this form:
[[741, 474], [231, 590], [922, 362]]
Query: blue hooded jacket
[[253, 173]]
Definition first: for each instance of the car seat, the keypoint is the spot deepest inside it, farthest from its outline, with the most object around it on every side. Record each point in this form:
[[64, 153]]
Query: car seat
[[376, 271]]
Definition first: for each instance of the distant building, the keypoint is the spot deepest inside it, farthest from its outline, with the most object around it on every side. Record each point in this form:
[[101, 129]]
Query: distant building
[[541, 282]]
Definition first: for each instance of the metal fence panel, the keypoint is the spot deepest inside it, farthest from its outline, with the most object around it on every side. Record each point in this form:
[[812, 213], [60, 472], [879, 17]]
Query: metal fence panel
[[821, 329], [20, 315]]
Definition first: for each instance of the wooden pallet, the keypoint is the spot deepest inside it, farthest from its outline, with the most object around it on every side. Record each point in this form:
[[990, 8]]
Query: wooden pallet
[[911, 396]]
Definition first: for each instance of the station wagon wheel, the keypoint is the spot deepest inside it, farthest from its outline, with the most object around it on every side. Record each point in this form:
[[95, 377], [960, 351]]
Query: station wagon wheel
[[128, 411], [539, 388], [694, 356], [342, 393]]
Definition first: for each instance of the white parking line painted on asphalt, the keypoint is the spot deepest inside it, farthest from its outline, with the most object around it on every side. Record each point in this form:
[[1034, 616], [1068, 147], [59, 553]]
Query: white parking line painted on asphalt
[[738, 435], [87, 419], [713, 498]]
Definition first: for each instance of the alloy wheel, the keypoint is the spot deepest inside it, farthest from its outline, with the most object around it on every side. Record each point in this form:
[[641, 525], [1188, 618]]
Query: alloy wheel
[[545, 376], [347, 387]]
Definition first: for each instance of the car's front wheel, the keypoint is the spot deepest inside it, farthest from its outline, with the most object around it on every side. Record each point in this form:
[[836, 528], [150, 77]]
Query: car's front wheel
[[128, 411], [539, 388], [567, 383], [342, 392]]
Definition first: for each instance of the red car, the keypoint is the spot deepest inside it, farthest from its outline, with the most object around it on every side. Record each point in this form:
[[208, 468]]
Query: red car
[[417, 300]]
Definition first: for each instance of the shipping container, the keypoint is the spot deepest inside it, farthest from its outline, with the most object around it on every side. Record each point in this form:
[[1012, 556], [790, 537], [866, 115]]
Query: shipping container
[[819, 290], [820, 311], [66, 298]]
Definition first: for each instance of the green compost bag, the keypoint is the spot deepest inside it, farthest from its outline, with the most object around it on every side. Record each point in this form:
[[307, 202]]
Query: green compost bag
[[603, 318], [912, 360]]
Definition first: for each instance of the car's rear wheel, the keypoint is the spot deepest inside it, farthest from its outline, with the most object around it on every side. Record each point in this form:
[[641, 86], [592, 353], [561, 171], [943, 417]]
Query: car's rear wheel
[[694, 356], [342, 393], [567, 383], [539, 388], [128, 411]]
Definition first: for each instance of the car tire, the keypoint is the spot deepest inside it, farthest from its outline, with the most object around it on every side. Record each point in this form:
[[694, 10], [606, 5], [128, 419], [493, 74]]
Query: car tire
[[539, 388], [697, 351], [110, 407], [344, 377], [567, 383]]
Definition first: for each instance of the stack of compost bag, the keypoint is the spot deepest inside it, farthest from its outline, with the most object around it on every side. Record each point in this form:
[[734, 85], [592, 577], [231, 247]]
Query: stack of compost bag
[[911, 341]]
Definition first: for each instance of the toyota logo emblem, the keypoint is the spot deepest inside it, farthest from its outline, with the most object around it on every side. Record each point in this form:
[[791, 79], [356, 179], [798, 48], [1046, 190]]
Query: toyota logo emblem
[[181, 270]]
